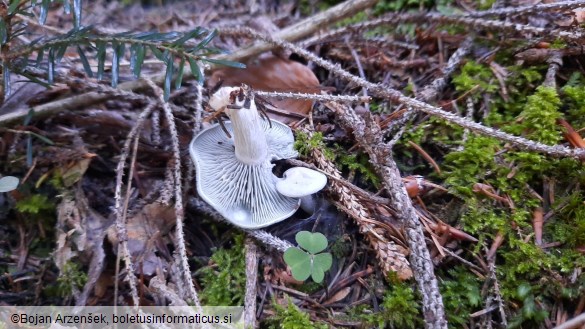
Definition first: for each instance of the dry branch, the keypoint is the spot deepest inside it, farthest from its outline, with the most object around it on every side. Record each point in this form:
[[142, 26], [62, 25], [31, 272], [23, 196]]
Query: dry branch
[[526, 10], [251, 282], [120, 212], [179, 211], [369, 137]]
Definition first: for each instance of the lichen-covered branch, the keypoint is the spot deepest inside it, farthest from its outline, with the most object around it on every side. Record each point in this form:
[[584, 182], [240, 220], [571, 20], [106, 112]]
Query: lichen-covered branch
[[315, 97], [179, 211], [251, 282], [368, 136], [530, 9]]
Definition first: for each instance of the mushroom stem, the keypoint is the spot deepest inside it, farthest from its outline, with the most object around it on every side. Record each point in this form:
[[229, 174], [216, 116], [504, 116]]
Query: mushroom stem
[[309, 204], [249, 138]]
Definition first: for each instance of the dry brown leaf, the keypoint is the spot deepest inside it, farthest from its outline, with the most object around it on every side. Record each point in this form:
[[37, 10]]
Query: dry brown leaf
[[571, 135], [146, 230], [339, 296], [272, 73]]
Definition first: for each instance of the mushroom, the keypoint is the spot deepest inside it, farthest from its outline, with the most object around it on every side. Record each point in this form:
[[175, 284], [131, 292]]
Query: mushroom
[[234, 174], [300, 182]]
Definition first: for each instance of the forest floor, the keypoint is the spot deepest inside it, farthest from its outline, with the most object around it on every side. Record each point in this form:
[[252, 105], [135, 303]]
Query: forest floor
[[450, 133]]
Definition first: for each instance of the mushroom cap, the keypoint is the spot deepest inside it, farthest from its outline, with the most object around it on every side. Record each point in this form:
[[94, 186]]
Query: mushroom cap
[[298, 182], [244, 194]]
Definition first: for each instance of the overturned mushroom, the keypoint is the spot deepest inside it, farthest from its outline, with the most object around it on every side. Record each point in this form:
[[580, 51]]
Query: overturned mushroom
[[234, 172]]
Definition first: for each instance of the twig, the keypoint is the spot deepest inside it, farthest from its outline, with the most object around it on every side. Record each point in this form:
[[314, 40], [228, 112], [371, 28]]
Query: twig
[[179, 211], [463, 260], [158, 286], [496, 287], [526, 10], [494, 25], [367, 135], [305, 27], [118, 211], [198, 109], [431, 91], [315, 97], [251, 282], [468, 115], [555, 61], [356, 58]]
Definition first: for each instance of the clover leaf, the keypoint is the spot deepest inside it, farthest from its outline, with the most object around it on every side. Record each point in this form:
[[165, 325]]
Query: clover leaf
[[309, 262], [8, 183]]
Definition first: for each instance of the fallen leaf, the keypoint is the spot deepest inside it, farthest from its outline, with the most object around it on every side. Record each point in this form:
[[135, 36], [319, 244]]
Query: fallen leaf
[[339, 296], [146, 230]]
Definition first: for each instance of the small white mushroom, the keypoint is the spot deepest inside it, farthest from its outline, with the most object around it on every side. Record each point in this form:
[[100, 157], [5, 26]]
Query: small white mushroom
[[298, 182]]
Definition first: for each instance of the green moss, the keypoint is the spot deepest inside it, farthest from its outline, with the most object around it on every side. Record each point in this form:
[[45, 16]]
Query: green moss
[[291, 317], [483, 219], [469, 166], [531, 313], [341, 247], [34, 204], [304, 145], [358, 163], [472, 75], [385, 6], [572, 227], [575, 99], [71, 279], [398, 309], [224, 281], [461, 296], [540, 115]]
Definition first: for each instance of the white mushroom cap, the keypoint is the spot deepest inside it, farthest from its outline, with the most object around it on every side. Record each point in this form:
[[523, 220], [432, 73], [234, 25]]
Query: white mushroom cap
[[298, 182], [234, 175]]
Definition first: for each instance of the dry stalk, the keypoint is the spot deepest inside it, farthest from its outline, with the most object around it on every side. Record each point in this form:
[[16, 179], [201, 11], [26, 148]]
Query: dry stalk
[[391, 257], [498, 295], [119, 211], [179, 211], [431, 91], [251, 282]]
